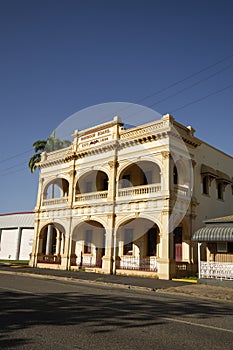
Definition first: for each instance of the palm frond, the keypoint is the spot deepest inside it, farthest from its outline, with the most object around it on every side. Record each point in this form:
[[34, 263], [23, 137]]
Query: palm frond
[[33, 161]]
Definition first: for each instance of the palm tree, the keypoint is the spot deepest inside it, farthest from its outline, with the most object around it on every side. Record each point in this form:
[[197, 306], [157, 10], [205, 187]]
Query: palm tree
[[51, 144], [39, 147], [54, 143]]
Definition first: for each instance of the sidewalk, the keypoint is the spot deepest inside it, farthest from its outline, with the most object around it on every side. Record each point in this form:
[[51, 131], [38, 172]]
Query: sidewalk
[[161, 286]]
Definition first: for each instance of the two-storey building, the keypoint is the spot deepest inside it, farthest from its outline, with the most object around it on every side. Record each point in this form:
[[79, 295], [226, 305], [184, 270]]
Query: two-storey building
[[128, 201]]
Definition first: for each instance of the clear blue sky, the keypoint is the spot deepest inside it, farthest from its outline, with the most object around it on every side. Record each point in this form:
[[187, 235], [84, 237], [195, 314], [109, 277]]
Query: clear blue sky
[[60, 56]]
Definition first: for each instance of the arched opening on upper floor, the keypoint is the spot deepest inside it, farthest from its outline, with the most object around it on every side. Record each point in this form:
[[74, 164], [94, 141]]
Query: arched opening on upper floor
[[175, 175], [56, 188], [182, 177], [92, 182], [88, 244], [139, 174], [140, 178], [184, 171]]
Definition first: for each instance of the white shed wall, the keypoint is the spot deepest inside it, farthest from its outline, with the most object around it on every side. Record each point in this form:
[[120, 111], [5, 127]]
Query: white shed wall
[[8, 244], [26, 244]]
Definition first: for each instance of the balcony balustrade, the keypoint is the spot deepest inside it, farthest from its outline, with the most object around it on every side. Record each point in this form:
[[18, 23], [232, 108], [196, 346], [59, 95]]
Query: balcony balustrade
[[133, 191], [139, 190], [181, 190], [55, 201], [91, 196]]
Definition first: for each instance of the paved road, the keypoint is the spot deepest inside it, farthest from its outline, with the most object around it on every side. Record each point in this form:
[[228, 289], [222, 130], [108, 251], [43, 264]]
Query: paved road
[[38, 313]]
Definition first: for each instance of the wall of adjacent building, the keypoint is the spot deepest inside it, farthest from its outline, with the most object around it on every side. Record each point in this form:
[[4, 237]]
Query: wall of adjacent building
[[209, 205], [16, 236]]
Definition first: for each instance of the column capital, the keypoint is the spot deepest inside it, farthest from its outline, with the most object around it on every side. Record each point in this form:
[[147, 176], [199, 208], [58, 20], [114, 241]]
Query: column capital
[[113, 163], [166, 154]]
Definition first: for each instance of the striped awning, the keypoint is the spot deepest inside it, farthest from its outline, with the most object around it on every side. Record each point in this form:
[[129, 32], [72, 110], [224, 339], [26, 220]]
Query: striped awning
[[214, 233]]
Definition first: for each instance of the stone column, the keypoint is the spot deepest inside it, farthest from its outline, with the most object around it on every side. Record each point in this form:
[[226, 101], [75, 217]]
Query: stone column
[[71, 196], [67, 243], [58, 242], [164, 254], [109, 260], [49, 240], [40, 194]]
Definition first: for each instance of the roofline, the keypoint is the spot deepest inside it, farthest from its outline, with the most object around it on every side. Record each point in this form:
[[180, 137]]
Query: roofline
[[18, 213], [215, 148], [218, 221]]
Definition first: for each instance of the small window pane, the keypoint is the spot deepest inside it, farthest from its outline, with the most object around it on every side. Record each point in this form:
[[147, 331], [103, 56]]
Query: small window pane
[[128, 246], [222, 247]]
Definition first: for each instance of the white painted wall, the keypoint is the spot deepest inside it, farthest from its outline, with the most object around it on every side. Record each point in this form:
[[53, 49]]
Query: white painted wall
[[26, 244], [8, 244]]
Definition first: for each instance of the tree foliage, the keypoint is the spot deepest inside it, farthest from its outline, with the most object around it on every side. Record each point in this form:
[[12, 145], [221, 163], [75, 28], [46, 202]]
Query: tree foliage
[[51, 144]]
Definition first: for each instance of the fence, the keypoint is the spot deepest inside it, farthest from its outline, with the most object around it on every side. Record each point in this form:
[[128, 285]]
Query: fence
[[216, 270], [135, 263]]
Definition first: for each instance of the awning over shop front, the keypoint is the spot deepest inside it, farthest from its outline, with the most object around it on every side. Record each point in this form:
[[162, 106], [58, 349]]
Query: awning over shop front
[[214, 233]]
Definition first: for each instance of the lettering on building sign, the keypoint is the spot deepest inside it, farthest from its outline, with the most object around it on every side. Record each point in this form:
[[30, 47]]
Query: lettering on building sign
[[94, 138]]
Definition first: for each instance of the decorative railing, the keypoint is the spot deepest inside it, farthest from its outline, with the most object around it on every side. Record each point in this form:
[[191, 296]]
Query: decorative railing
[[144, 130], [48, 259], [88, 260], [181, 190], [55, 201], [135, 263], [139, 190], [91, 196], [55, 155], [216, 270]]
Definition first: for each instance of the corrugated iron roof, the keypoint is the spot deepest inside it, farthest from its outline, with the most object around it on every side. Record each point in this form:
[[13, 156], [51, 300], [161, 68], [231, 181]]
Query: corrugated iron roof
[[214, 233], [228, 218], [17, 220]]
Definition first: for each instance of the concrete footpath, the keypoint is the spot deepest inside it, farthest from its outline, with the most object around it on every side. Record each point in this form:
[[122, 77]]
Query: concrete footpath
[[218, 292]]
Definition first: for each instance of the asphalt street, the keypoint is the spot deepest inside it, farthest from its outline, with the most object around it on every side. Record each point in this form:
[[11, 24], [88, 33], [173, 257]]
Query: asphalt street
[[40, 313]]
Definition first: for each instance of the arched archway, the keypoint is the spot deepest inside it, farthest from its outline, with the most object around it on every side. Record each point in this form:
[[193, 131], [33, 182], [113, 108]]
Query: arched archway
[[138, 244], [88, 244], [56, 188], [182, 177], [51, 244], [92, 184], [139, 179], [140, 173]]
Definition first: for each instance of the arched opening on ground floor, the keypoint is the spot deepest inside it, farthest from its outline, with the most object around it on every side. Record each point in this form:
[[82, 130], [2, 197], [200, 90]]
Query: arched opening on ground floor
[[138, 245], [88, 244], [51, 244]]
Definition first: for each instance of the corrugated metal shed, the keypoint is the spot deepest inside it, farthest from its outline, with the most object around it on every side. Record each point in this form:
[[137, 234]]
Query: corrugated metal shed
[[14, 220]]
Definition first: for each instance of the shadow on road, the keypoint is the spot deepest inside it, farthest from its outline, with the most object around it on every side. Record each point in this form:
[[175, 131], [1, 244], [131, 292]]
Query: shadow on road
[[100, 313]]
